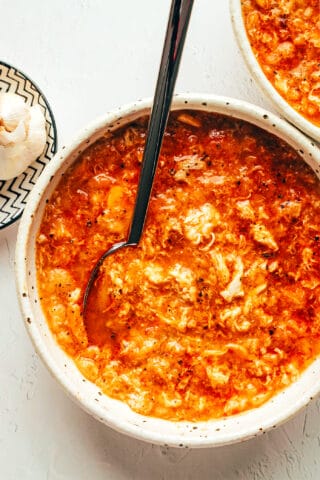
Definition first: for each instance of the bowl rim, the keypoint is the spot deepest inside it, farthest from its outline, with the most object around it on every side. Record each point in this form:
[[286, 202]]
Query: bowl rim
[[182, 435], [52, 122], [254, 68]]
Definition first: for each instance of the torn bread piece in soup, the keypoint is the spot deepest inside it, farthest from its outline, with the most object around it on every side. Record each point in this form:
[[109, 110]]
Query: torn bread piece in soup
[[217, 309]]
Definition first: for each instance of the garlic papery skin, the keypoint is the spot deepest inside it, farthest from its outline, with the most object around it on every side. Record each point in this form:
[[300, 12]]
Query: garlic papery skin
[[22, 135]]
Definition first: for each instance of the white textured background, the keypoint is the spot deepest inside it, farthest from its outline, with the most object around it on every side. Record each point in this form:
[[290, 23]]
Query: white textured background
[[89, 56]]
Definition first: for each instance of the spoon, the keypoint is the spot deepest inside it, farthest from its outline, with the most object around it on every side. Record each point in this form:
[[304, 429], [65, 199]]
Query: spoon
[[173, 45]]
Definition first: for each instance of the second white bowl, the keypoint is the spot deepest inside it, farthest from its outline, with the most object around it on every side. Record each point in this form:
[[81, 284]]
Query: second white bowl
[[283, 107]]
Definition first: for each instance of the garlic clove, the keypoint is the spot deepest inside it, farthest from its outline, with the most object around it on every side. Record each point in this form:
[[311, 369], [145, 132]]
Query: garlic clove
[[10, 161], [13, 109], [37, 135], [15, 158]]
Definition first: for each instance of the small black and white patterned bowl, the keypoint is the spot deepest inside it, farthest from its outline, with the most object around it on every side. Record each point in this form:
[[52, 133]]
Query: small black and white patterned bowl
[[14, 192]]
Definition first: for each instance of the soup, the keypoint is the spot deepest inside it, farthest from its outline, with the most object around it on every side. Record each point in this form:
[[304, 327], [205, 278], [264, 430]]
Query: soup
[[217, 309], [285, 38]]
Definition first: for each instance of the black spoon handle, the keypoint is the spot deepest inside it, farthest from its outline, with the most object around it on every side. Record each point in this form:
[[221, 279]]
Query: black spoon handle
[[175, 36]]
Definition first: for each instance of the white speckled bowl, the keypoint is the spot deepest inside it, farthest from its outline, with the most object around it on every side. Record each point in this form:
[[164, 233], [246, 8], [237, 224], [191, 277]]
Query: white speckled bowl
[[253, 65], [112, 412]]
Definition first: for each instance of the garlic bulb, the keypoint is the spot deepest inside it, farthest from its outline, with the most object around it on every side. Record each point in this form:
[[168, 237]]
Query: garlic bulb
[[22, 135]]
